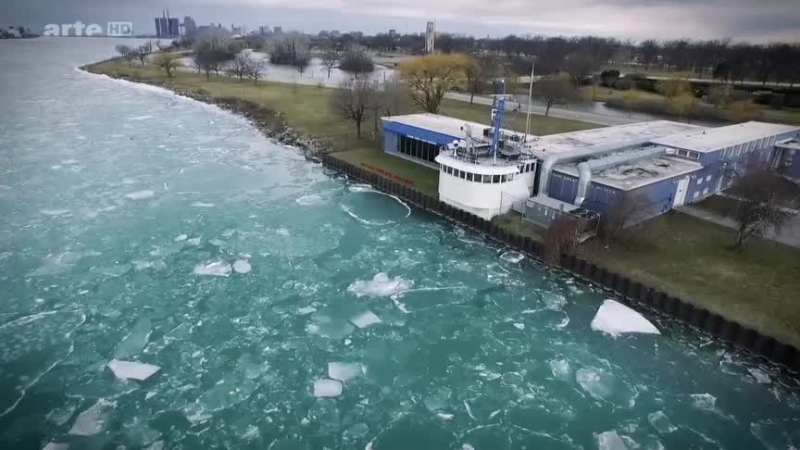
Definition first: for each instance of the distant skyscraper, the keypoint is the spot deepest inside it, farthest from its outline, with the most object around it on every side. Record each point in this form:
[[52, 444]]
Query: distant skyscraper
[[430, 35], [392, 33], [264, 30], [277, 30], [190, 26], [166, 26]]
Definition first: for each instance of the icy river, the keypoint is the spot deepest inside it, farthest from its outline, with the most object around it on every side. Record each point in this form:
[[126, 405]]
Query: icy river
[[290, 308]]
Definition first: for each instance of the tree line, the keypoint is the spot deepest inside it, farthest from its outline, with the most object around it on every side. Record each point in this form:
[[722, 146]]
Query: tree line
[[719, 58]]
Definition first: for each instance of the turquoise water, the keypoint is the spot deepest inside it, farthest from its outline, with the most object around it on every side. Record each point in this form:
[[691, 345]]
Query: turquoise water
[[140, 226]]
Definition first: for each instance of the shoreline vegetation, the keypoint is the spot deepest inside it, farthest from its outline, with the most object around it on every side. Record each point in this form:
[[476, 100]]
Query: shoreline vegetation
[[300, 116]]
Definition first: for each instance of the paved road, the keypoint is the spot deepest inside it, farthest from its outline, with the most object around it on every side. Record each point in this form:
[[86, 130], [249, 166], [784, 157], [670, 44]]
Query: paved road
[[600, 119], [789, 234]]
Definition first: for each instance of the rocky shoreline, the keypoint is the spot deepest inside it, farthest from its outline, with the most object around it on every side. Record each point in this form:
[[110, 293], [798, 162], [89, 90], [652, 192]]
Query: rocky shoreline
[[269, 122]]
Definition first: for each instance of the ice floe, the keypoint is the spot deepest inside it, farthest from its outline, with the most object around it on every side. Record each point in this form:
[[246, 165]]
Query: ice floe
[[512, 257], [365, 319], [615, 318], [327, 388], [202, 205], [610, 440], [181, 238], [661, 422], [213, 268], [604, 386], [760, 376], [242, 266], [135, 340], [140, 195], [129, 370], [93, 420], [56, 446], [561, 369], [309, 200], [306, 310], [344, 371], [381, 285], [54, 212]]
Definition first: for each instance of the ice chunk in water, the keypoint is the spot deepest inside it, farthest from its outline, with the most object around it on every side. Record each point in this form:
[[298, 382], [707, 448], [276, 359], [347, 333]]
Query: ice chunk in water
[[327, 388], [344, 371], [213, 268], [181, 237], [610, 440], [140, 195], [606, 387], [136, 339], [439, 399], [242, 266], [365, 319], [357, 431], [93, 420], [615, 318], [760, 376], [202, 205], [512, 257], [661, 422], [560, 369], [381, 285], [127, 370], [306, 310], [55, 446], [704, 401]]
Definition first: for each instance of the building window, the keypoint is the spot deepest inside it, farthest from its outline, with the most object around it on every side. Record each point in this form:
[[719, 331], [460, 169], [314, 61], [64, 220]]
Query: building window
[[708, 178], [700, 180], [696, 194], [705, 191]]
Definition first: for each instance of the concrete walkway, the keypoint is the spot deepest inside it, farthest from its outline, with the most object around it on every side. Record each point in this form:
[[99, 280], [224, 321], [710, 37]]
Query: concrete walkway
[[600, 119], [789, 234]]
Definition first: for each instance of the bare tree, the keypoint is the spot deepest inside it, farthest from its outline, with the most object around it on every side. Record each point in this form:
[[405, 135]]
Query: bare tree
[[759, 209], [479, 71], [648, 52], [301, 62], [430, 77], [256, 68], [239, 66], [555, 90], [329, 59], [141, 53], [562, 237], [167, 61], [126, 52], [580, 66], [354, 98]]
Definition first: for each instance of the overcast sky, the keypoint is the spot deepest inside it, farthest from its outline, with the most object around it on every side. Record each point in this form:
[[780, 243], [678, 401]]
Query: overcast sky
[[755, 20]]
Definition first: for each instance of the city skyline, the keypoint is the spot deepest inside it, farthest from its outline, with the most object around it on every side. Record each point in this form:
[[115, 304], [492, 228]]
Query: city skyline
[[768, 21]]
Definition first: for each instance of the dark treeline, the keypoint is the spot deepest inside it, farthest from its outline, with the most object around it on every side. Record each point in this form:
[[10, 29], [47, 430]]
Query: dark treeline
[[721, 59]]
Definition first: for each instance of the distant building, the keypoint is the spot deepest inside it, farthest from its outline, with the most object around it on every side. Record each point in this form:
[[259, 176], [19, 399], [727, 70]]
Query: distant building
[[264, 30], [190, 27], [392, 33], [430, 36], [335, 33], [166, 26], [324, 34], [277, 30]]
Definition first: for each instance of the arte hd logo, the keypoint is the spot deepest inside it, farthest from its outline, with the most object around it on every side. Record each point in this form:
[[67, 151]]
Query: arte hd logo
[[113, 29]]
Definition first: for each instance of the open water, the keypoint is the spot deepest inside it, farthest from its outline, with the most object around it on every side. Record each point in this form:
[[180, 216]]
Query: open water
[[145, 227]]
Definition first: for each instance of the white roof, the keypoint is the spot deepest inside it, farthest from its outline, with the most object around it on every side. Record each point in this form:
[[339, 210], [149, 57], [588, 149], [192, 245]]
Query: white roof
[[477, 167], [640, 173], [718, 138], [622, 135], [439, 124]]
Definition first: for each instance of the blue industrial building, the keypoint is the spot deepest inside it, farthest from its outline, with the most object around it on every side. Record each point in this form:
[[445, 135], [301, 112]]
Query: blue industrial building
[[657, 165]]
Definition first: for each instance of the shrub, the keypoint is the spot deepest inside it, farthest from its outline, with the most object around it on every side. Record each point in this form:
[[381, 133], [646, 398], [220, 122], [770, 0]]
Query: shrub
[[356, 61]]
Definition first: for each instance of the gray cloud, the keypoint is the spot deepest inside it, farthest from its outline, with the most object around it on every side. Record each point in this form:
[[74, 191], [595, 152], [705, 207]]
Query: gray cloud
[[761, 21]]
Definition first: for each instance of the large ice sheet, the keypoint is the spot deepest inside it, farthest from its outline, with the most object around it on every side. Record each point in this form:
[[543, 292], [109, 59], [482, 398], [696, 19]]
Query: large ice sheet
[[93, 420], [610, 440], [365, 319], [327, 388], [615, 318], [344, 371], [128, 370], [213, 268]]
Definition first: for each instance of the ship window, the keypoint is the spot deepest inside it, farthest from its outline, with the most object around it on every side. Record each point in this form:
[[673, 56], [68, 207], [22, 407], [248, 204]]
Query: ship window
[[469, 176], [462, 175], [495, 178], [487, 178]]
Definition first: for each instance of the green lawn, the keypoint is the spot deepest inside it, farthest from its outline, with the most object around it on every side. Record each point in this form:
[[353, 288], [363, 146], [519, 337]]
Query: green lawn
[[723, 206], [425, 179], [689, 258]]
